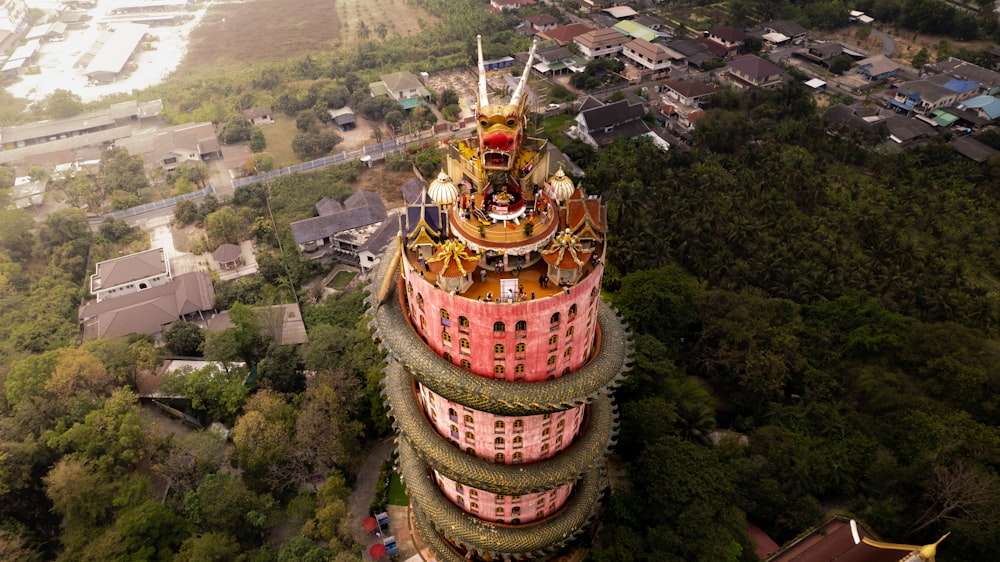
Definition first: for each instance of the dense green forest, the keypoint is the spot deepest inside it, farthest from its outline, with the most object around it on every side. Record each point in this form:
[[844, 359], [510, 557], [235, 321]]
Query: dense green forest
[[835, 304]]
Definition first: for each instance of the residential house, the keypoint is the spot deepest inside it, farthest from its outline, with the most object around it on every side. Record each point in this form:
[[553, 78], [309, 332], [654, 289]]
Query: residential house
[[964, 89], [557, 60], [689, 92], [845, 118], [403, 87], [795, 32], [130, 274], [636, 31], [986, 107], [564, 33], [281, 324], [542, 22], [729, 37], [987, 79], [621, 12], [650, 21], [27, 192], [599, 126], [821, 53], [260, 115], [837, 539], [921, 96], [166, 148], [973, 149], [341, 231], [591, 6], [652, 59], [878, 67], [905, 131], [509, 5], [695, 54], [601, 43], [752, 71], [150, 310]]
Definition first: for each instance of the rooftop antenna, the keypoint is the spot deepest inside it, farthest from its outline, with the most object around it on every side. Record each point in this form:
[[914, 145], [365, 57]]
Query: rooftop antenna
[[483, 97], [519, 91]]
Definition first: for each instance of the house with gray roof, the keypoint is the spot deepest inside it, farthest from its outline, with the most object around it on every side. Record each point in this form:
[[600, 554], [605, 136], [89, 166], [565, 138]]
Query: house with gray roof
[[130, 274], [341, 232], [403, 87], [973, 149], [878, 67], [599, 126], [149, 311], [751, 71], [988, 79], [166, 148], [921, 96]]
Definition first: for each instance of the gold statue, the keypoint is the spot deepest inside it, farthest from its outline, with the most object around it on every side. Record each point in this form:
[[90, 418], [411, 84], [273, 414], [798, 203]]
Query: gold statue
[[926, 552]]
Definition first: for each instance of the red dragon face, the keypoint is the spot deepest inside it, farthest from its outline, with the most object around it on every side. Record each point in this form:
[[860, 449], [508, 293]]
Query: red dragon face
[[500, 134]]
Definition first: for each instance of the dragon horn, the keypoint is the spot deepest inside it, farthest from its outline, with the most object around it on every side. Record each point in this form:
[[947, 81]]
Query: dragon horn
[[519, 91], [483, 97]]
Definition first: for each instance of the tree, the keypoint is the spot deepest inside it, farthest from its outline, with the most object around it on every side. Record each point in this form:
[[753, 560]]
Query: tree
[[149, 531], [841, 64], [305, 121], [186, 212], [257, 140], [447, 97], [79, 370], [236, 130], [82, 495], [217, 392], [184, 338], [224, 227], [260, 436], [223, 504], [661, 302], [28, 377], [120, 171], [16, 238], [61, 104], [279, 369], [209, 547], [922, 57], [301, 549], [110, 438]]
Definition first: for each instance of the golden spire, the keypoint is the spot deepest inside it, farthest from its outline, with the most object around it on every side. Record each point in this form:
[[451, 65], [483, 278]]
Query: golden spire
[[454, 250], [926, 552]]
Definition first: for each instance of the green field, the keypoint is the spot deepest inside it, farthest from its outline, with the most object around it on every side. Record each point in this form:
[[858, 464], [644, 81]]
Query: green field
[[397, 491]]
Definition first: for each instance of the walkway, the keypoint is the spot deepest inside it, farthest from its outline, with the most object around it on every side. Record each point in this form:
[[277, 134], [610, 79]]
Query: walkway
[[376, 453]]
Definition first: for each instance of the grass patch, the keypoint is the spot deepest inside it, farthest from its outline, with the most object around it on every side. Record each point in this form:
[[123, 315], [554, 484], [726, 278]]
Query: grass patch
[[397, 491], [279, 137], [342, 279], [553, 127]]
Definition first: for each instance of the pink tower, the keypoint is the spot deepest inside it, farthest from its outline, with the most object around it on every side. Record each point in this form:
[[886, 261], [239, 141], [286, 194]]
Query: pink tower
[[502, 355]]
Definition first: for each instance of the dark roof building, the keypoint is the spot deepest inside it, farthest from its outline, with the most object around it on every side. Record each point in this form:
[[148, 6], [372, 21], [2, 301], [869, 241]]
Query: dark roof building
[[340, 231], [599, 126]]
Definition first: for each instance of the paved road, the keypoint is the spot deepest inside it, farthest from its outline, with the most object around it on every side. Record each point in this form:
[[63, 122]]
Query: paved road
[[888, 43], [376, 453]]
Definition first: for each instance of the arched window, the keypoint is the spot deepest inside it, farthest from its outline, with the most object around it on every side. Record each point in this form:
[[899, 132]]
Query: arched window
[[558, 440], [469, 420], [447, 357], [515, 511], [499, 443], [499, 328], [473, 493], [545, 447], [452, 414], [521, 326], [519, 368], [553, 339], [498, 425], [572, 311], [498, 349], [568, 352], [463, 324], [470, 450], [498, 457], [551, 360], [446, 336], [466, 365], [474, 506], [518, 457], [554, 319], [423, 323], [518, 425], [420, 301], [518, 441], [520, 348], [409, 287], [454, 431], [459, 489], [560, 424], [541, 501], [445, 315], [539, 514], [469, 436], [499, 510], [546, 432], [569, 332], [460, 501], [463, 343], [498, 370]]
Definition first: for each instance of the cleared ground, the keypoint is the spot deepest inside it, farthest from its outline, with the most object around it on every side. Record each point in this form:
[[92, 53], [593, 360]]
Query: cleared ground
[[234, 34]]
